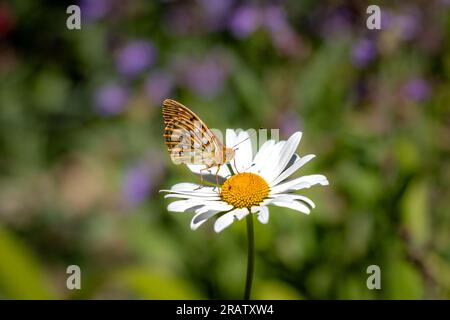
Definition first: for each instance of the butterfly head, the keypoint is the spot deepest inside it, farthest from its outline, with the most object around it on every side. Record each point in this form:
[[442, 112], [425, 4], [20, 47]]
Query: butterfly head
[[228, 154]]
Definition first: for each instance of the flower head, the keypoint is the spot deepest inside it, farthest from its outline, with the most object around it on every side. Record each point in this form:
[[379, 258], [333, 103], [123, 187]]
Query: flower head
[[407, 24], [215, 13], [255, 181], [137, 184], [417, 89], [159, 85], [95, 9], [245, 21], [135, 57], [363, 52], [204, 77], [289, 122], [140, 180], [283, 35], [110, 99]]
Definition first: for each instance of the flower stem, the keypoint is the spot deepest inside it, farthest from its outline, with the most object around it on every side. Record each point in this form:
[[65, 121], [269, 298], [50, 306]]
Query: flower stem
[[250, 257]]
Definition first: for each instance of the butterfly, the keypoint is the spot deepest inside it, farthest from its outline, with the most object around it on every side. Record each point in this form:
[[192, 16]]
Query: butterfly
[[190, 141]]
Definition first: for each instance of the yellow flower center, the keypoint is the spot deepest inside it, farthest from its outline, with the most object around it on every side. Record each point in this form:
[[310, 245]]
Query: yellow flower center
[[244, 190]]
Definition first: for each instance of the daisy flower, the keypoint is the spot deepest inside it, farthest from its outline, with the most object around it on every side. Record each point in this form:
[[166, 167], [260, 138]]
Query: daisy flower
[[251, 183]]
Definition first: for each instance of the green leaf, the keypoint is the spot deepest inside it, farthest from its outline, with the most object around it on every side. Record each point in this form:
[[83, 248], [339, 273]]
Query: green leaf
[[50, 90], [414, 209], [401, 281], [149, 283], [274, 290], [21, 275], [355, 287], [407, 154]]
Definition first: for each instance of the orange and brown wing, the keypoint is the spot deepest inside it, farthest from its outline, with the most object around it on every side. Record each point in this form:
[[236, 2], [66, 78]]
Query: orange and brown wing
[[187, 137]]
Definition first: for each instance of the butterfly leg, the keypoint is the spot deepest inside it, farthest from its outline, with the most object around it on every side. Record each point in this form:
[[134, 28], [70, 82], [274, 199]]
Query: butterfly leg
[[201, 178], [235, 167], [217, 176]]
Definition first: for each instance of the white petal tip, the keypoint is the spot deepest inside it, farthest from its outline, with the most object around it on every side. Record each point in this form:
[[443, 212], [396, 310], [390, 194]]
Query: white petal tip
[[263, 221], [263, 214], [298, 133], [194, 226], [224, 222]]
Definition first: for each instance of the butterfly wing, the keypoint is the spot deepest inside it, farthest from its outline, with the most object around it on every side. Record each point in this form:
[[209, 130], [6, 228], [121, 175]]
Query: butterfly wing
[[187, 137]]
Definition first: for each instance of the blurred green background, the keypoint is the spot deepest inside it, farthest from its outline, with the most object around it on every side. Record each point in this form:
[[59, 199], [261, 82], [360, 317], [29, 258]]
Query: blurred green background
[[82, 156]]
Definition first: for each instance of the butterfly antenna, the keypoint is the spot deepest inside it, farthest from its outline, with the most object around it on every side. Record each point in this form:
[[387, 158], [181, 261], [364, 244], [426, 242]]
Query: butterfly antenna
[[239, 143]]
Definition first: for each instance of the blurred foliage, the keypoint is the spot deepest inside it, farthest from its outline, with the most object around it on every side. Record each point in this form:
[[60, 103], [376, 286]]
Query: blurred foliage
[[82, 156]]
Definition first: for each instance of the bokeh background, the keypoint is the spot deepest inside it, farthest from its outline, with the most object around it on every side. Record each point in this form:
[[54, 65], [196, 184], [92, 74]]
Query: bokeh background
[[82, 156]]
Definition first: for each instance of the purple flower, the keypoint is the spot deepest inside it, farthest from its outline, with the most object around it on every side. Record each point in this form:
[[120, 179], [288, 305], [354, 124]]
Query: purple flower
[[206, 78], [245, 21], [417, 89], [92, 10], [110, 99], [216, 7], [137, 184], [406, 24], [409, 25], [139, 181], [387, 17], [159, 86], [135, 56], [337, 22], [363, 52], [216, 12], [203, 77], [180, 21], [283, 36], [289, 123], [275, 19]]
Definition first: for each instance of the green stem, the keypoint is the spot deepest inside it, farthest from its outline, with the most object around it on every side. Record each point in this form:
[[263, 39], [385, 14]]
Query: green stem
[[230, 168], [250, 257]]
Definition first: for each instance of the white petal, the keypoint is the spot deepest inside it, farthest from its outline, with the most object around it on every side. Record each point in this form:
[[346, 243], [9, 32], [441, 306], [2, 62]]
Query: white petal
[[240, 213], [300, 183], [266, 201], [202, 217], [192, 189], [187, 194], [195, 197], [230, 138], [210, 173], [286, 154], [215, 205], [262, 154], [244, 153], [224, 221], [295, 205], [184, 186], [263, 214], [291, 197], [268, 168], [294, 167], [183, 205]]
